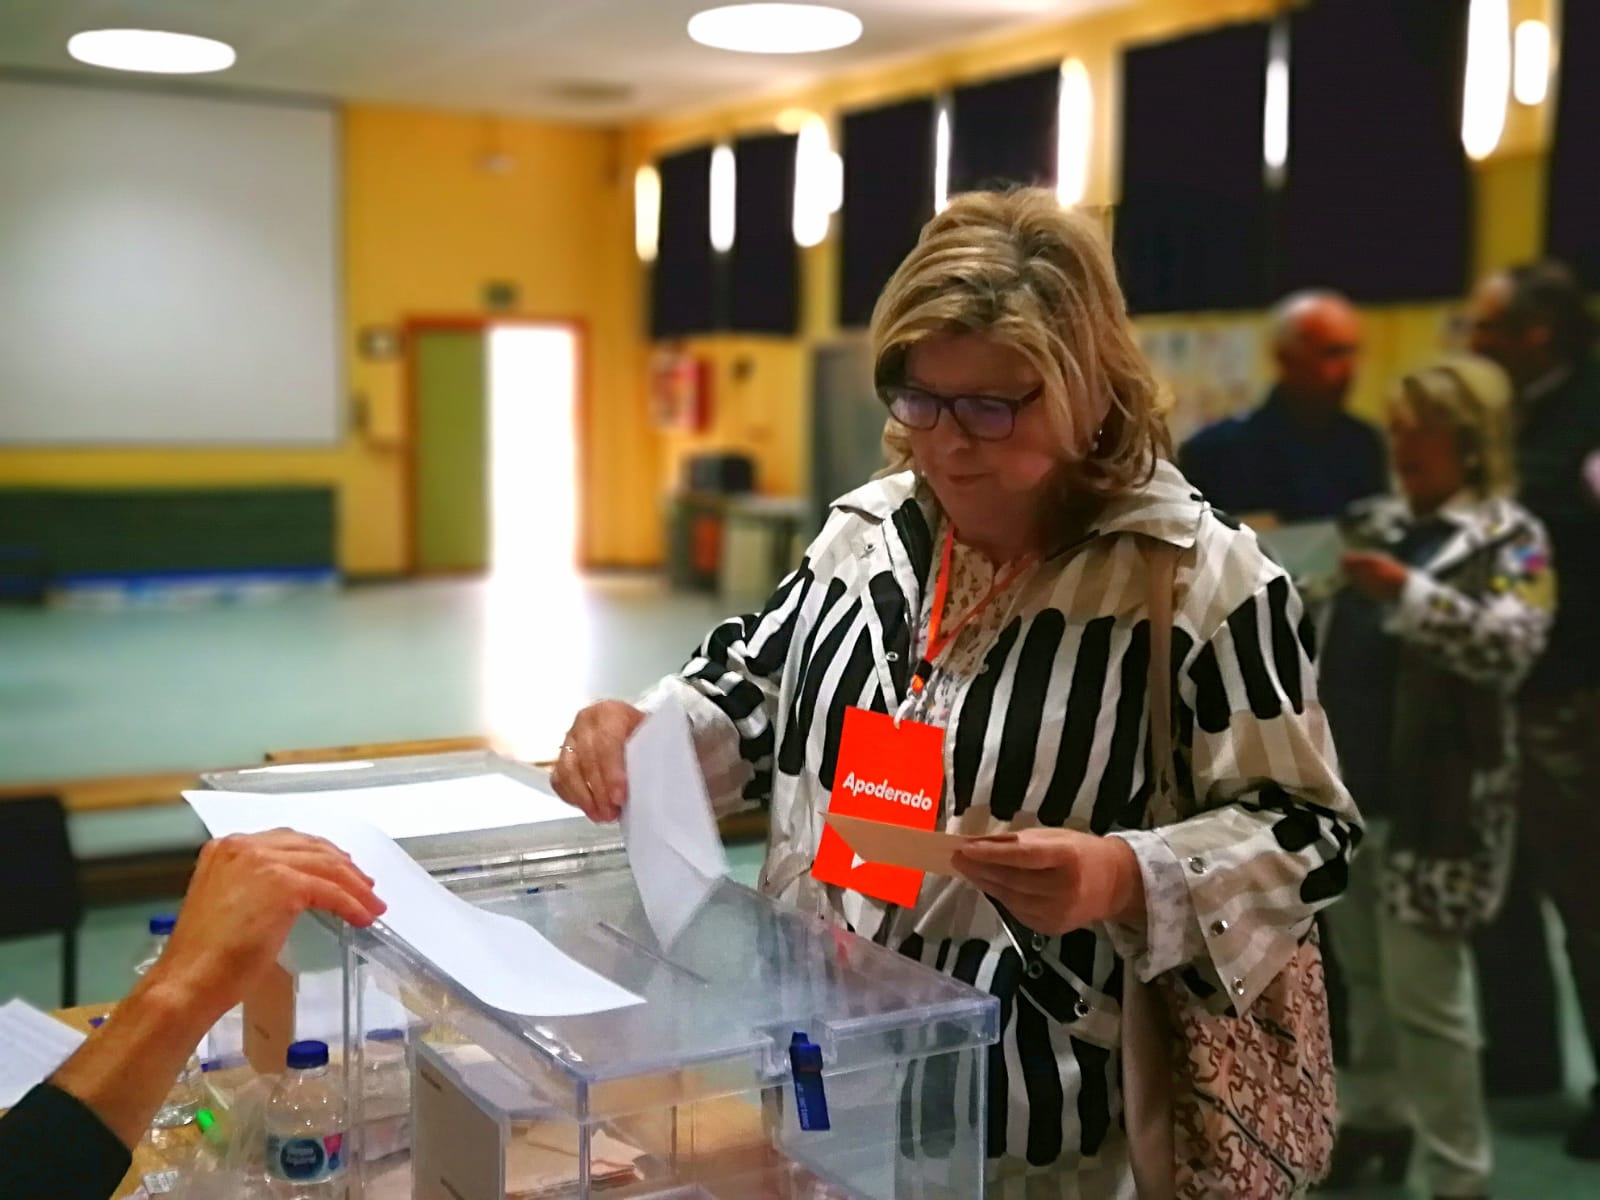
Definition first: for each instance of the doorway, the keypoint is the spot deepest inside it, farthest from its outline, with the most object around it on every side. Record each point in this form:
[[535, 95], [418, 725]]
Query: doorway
[[494, 480]]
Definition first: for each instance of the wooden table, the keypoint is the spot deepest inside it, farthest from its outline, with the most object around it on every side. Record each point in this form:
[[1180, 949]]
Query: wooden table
[[727, 1133], [148, 1157]]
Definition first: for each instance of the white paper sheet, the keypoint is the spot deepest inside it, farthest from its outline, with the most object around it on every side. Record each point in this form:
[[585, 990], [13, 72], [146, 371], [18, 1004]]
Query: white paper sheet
[[502, 961], [407, 810], [667, 823], [32, 1045]]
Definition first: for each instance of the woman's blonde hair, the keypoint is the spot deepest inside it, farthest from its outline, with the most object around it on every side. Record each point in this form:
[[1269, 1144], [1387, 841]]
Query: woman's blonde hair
[[1473, 397], [1017, 267]]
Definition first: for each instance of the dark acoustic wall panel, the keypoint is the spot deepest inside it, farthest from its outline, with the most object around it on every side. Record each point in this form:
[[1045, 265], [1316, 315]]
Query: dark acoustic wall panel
[[764, 265], [888, 197], [1003, 132], [1377, 201], [1193, 227], [78, 533], [1574, 205], [683, 285]]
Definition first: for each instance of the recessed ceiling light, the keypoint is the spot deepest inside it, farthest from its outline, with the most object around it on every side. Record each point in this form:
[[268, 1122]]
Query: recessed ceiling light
[[151, 50], [775, 28]]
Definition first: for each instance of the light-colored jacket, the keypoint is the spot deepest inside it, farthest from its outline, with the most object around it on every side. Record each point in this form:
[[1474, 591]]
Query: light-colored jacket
[[1471, 623], [1050, 728]]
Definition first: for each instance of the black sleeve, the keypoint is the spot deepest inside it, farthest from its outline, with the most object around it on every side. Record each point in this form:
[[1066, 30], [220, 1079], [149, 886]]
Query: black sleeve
[[1198, 463], [52, 1147]]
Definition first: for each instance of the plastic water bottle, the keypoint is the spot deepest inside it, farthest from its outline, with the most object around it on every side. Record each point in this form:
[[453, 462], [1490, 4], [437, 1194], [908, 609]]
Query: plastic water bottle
[[161, 927], [182, 1101], [304, 1119]]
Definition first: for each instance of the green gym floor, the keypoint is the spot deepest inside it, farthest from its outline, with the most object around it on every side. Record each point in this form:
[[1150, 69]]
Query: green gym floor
[[115, 693]]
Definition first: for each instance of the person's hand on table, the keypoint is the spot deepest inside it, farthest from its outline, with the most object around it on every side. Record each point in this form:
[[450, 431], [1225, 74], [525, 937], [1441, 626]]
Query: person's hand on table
[[1377, 575], [591, 772], [243, 899], [1056, 880]]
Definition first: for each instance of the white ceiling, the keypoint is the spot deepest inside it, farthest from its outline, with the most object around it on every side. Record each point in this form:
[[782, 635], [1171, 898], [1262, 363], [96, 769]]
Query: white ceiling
[[505, 56]]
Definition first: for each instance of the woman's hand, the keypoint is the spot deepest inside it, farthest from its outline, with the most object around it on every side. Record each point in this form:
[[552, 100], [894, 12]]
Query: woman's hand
[[1378, 575], [1057, 880], [591, 772]]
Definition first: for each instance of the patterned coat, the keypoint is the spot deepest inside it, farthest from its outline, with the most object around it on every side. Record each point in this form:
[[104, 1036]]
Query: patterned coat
[[1471, 622], [1048, 726]]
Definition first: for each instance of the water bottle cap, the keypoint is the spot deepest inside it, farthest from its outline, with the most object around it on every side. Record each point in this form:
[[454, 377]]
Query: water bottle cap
[[386, 1035], [163, 924], [304, 1056]]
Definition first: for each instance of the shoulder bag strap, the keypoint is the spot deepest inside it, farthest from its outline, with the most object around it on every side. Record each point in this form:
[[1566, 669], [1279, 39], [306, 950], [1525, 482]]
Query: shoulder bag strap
[[1147, 1083]]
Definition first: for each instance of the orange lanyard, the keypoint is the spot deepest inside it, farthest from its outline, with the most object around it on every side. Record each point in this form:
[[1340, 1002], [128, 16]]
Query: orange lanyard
[[939, 642]]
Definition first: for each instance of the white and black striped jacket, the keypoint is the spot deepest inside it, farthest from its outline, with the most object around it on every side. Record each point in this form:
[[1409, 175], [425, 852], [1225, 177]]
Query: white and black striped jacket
[[1050, 729]]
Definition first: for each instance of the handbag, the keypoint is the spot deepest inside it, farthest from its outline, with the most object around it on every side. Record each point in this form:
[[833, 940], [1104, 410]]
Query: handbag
[[1217, 1105]]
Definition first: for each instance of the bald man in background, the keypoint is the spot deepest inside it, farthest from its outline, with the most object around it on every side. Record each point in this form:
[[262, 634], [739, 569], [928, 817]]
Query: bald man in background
[[1300, 456]]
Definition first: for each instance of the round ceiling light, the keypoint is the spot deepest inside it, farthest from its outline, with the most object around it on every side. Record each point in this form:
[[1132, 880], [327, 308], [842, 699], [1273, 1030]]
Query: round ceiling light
[[151, 50], [775, 28]]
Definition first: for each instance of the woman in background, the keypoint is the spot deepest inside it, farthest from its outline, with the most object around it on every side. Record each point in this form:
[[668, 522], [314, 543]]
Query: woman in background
[[1446, 607]]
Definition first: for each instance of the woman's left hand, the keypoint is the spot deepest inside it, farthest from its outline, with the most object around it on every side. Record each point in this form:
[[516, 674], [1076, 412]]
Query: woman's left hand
[[1057, 880], [1378, 575]]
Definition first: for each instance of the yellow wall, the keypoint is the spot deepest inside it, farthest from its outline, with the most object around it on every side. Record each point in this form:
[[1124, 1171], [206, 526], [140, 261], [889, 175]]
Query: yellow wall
[[428, 226], [425, 227], [1508, 222]]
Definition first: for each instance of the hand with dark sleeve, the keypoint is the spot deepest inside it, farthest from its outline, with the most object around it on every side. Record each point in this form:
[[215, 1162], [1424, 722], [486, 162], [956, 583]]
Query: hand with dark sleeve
[[71, 1138]]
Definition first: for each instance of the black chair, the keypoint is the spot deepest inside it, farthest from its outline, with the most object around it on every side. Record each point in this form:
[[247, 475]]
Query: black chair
[[39, 880]]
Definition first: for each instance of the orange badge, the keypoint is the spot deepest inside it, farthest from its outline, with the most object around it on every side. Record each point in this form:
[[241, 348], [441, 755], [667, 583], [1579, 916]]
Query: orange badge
[[888, 773]]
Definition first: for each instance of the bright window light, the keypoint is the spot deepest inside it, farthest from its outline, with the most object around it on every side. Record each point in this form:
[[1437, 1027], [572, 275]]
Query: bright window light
[[1074, 133], [723, 185], [941, 159], [1531, 76], [647, 213], [818, 182], [1483, 109], [530, 682], [1275, 112], [150, 50], [775, 28]]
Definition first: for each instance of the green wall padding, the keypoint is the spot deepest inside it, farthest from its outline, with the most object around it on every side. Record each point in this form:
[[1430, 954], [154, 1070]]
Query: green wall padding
[[135, 531]]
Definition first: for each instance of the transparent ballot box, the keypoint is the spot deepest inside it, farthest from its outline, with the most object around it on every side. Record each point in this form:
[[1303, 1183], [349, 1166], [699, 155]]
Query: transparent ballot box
[[691, 1094]]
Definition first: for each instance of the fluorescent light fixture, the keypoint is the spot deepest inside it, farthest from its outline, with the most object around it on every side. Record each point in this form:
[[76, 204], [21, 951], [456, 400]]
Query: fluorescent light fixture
[[1483, 108], [723, 185], [941, 158], [1074, 133], [818, 182], [1275, 112], [775, 28], [1530, 77], [150, 50], [647, 213]]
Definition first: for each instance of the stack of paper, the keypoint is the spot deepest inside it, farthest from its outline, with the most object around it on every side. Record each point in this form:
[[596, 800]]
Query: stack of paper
[[32, 1046], [408, 810]]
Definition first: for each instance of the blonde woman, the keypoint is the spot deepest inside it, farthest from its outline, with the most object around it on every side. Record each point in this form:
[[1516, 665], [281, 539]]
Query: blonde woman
[[1446, 609], [990, 586]]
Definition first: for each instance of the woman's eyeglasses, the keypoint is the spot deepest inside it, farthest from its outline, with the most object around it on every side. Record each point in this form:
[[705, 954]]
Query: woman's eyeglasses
[[986, 418]]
